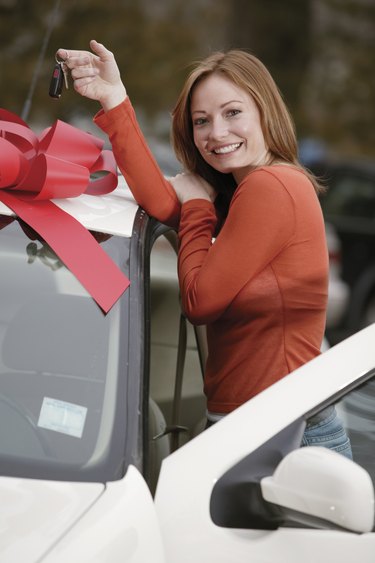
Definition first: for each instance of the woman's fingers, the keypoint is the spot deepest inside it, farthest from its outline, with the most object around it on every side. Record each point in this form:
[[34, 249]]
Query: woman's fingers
[[82, 61], [191, 186], [82, 87], [95, 74], [101, 51], [83, 72], [66, 54]]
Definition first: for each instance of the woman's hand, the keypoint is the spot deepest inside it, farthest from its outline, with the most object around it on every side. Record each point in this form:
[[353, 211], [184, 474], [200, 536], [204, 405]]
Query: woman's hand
[[95, 75], [191, 186]]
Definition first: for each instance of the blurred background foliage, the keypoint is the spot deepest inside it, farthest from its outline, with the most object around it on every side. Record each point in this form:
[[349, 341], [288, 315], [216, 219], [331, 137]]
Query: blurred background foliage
[[320, 52]]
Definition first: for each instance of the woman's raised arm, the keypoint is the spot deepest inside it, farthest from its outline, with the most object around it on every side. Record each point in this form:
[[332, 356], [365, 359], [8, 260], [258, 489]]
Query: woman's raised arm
[[96, 76]]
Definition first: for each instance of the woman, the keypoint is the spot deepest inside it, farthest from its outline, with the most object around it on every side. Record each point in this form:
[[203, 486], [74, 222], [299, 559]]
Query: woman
[[261, 287]]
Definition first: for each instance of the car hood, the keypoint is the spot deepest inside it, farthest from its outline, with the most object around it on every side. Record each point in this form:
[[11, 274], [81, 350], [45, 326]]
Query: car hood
[[35, 514]]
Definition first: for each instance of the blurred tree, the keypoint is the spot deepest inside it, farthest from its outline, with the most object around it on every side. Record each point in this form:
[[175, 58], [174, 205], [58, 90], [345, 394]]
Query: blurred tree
[[320, 53], [279, 34], [338, 95], [23, 27], [152, 48]]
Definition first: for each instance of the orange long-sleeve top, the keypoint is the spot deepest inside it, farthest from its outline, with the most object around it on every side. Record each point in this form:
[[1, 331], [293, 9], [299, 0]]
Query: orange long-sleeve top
[[261, 287]]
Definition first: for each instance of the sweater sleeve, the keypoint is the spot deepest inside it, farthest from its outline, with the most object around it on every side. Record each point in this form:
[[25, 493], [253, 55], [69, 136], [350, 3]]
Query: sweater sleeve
[[136, 162], [260, 223]]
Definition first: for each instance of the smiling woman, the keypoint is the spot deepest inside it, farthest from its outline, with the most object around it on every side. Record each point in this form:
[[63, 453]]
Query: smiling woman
[[261, 288], [227, 128]]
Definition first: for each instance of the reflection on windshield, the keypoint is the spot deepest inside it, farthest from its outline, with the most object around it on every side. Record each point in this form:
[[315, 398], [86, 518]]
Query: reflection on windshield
[[59, 358]]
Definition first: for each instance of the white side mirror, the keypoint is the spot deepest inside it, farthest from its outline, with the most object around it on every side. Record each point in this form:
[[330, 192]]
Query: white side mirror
[[322, 483]]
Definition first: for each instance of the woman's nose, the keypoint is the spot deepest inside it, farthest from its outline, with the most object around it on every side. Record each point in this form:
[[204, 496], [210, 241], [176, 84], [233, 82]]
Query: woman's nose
[[219, 129]]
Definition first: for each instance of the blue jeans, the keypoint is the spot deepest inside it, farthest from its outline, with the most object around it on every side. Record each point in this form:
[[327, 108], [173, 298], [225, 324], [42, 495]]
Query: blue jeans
[[326, 429]]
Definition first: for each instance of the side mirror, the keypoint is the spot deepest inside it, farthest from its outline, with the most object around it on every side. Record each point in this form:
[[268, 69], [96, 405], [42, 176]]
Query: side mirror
[[323, 484]]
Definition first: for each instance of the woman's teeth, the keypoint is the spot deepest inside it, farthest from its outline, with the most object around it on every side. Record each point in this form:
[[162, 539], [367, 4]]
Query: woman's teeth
[[227, 148]]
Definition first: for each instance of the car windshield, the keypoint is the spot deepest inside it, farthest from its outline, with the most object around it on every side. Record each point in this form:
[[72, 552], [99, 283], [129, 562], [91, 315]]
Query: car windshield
[[62, 371]]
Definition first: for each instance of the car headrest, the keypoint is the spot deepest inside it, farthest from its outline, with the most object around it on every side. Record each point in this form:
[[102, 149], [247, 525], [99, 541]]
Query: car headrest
[[59, 334]]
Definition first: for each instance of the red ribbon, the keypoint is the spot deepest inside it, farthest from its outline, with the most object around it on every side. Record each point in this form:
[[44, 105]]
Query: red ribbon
[[59, 164]]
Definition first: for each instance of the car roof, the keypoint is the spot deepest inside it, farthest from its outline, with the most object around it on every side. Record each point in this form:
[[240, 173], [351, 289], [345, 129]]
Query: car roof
[[112, 214]]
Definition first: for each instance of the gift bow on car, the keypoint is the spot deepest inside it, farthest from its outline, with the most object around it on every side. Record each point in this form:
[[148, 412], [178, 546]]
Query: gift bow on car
[[59, 163]]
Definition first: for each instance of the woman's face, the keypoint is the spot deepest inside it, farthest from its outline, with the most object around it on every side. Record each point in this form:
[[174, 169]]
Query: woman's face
[[226, 127]]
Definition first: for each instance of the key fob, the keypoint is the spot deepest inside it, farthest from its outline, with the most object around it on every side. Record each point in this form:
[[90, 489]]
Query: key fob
[[57, 81]]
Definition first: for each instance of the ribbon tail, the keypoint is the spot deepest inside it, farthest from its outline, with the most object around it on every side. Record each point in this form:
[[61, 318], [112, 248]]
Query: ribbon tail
[[75, 247]]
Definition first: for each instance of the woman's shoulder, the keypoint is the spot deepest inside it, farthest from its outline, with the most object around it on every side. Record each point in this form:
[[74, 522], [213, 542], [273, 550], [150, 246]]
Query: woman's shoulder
[[271, 176], [276, 176], [275, 186], [279, 171]]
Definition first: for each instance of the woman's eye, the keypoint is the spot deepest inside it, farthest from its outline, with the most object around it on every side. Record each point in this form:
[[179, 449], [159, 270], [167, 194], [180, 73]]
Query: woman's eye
[[233, 112], [200, 121]]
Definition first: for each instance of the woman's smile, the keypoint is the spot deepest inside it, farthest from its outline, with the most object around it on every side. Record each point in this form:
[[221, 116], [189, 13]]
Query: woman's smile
[[226, 149]]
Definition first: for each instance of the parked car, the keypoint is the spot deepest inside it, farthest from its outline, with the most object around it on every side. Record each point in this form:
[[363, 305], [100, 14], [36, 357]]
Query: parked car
[[84, 440], [349, 206], [338, 289]]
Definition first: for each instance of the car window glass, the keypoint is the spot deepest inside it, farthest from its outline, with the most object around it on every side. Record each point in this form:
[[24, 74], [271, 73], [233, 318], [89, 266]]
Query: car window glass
[[357, 412], [59, 363], [350, 196]]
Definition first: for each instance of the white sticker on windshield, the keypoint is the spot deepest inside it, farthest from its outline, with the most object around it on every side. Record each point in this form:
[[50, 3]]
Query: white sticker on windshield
[[63, 417]]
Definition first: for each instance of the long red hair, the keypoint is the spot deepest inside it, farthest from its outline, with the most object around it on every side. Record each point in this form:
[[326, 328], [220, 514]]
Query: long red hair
[[249, 73]]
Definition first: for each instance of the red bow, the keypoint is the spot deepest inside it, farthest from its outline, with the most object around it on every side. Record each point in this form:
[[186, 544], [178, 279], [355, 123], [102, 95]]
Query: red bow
[[58, 164]]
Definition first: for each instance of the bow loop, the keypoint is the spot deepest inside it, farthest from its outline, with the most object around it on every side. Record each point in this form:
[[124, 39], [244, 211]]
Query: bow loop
[[59, 164], [12, 164], [83, 148]]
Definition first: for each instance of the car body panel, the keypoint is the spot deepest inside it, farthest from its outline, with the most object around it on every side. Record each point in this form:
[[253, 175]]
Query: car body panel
[[120, 527], [35, 514], [113, 214], [189, 474]]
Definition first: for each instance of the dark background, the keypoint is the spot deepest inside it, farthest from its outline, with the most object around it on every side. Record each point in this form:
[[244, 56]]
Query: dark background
[[321, 53]]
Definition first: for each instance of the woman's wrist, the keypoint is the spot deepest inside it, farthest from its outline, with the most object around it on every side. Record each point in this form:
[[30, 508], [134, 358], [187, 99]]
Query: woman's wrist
[[115, 98]]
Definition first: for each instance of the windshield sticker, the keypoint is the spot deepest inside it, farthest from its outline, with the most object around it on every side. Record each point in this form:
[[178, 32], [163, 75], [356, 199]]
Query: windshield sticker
[[63, 417]]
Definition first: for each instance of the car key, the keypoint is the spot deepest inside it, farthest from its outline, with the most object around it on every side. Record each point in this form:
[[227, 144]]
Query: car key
[[56, 84], [65, 73], [59, 76]]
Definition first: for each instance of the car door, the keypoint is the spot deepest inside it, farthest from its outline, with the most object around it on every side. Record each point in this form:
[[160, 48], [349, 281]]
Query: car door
[[208, 499]]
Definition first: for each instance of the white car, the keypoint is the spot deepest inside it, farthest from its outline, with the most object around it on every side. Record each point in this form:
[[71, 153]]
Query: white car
[[86, 435]]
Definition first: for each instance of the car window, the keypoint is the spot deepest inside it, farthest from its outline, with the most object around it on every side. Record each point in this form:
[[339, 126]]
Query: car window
[[60, 360], [357, 411], [350, 195]]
